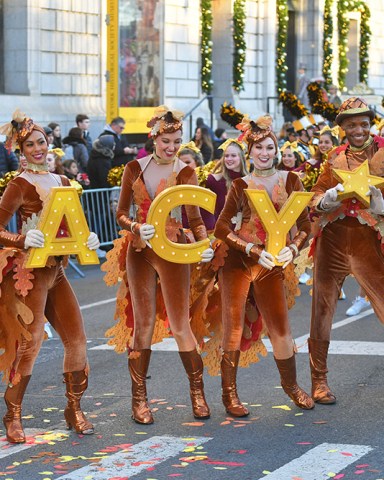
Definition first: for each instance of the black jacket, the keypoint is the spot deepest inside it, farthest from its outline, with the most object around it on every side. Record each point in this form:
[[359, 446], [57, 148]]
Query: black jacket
[[99, 164], [8, 161], [120, 158]]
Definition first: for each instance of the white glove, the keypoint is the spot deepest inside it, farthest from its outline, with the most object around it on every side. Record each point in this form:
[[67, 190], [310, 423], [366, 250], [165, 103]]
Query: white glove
[[266, 260], [207, 255], [34, 239], [377, 201], [93, 242], [285, 256], [147, 231], [330, 197]]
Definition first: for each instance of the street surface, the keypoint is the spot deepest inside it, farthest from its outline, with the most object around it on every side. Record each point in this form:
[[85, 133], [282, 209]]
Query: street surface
[[278, 441]]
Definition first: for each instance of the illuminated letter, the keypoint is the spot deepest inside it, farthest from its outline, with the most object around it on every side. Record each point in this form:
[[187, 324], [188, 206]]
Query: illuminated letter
[[158, 213], [278, 224], [63, 203]]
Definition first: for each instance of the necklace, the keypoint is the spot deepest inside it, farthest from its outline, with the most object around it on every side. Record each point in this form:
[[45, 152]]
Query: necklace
[[33, 168], [264, 173], [363, 147], [160, 161]]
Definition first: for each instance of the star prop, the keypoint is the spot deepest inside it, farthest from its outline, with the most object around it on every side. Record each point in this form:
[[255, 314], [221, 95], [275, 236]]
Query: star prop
[[356, 183]]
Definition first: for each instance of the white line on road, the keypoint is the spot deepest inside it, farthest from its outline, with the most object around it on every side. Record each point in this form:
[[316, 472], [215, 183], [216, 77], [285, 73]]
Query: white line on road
[[139, 457], [7, 449], [320, 461], [96, 304]]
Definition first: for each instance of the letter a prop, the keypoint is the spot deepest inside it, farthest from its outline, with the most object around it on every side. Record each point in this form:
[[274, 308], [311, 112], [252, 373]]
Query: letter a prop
[[278, 224], [157, 216], [63, 203]]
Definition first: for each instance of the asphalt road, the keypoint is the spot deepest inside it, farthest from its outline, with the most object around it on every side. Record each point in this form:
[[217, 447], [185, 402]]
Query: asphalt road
[[277, 441]]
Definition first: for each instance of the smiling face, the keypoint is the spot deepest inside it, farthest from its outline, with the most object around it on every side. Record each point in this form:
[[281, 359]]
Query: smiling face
[[232, 159], [356, 129], [325, 143], [35, 148], [288, 158], [51, 162], [168, 144], [188, 159], [263, 153]]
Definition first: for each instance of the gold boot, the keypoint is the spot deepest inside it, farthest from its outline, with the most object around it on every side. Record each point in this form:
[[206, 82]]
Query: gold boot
[[193, 365], [138, 368], [287, 370], [76, 384], [318, 352], [231, 401], [13, 398]]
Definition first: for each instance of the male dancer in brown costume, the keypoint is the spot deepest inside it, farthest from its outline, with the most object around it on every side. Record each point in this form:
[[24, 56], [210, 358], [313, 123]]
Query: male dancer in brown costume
[[349, 239]]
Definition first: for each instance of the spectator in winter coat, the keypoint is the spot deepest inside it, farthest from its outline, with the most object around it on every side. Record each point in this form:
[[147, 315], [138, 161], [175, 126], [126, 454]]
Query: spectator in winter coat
[[79, 150], [100, 161], [83, 122], [123, 152], [8, 161]]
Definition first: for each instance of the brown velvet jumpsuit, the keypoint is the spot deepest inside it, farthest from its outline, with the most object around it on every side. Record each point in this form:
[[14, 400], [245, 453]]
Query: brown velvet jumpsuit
[[345, 244]]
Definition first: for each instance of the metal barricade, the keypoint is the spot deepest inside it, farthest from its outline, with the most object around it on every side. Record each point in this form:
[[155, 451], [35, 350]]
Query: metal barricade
[[99, 207]]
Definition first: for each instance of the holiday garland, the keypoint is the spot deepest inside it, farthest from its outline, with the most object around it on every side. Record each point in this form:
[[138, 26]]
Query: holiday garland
[[343, 7], [293, 104], [327, 42], [315, 97], [206, 46], [281, 47], [239, 17], [230, 115]]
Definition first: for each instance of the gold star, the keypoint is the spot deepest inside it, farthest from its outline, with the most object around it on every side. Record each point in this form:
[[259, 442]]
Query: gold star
[[356, 183]]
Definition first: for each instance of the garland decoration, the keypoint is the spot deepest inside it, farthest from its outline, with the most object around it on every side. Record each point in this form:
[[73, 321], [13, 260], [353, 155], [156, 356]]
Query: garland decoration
[[315, 97], [327, 42], [343, 7], [206, 46], [293, 104], [239, 17], [281, 47], [229, 114]]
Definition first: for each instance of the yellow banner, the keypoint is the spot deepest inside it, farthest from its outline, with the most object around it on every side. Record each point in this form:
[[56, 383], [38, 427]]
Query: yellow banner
[[136, 118], [112, 59]]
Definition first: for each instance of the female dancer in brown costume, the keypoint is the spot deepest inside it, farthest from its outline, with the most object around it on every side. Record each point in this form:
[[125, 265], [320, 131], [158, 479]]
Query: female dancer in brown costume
[[248, 263], [143, 179], [38, 293]]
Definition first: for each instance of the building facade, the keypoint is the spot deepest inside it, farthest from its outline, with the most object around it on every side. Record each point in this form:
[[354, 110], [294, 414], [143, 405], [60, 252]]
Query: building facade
[[54, 55]]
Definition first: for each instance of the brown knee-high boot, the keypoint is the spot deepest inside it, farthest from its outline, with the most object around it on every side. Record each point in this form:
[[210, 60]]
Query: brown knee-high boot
[[231, 401], [287, 370], [13, 398], [76, 384], [138, 368], [193, 365], [318, 352]]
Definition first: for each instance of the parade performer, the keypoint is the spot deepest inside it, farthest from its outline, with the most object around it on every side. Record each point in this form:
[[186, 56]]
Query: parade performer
[[248, 264], [348, 238], [141, 268], [30, 295]]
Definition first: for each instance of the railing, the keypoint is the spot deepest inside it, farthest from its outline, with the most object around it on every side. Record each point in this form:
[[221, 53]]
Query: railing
[[99, 206], [209, 98]]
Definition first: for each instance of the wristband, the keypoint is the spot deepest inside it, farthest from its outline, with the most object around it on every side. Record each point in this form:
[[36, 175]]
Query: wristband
[[133, 226], [248, 248], [293, 247]]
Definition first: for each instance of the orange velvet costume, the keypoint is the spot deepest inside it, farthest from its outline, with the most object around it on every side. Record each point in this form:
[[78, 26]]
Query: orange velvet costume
[[348, 240], [145, 274], [33, 294], [240, 270]]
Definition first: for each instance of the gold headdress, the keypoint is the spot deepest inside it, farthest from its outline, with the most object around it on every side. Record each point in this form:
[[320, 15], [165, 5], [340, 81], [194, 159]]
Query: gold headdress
[[291, 145], [229, 141], [189, 146], [165, 120], [256, 131], [57, 151], [18, 130], [335, 131]]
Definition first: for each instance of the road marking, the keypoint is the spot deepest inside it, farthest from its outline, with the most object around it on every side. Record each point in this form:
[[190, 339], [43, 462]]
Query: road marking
[[320, 461], [7, 449], [96, 304], [139, 457]]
